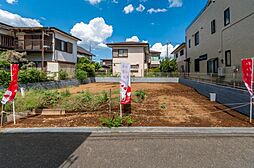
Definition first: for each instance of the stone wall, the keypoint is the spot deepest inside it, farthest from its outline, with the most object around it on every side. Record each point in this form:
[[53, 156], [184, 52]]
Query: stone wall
[[228, 96]]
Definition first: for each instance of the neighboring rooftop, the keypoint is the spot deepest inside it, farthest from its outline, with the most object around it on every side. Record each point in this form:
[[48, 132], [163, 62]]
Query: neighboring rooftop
[[106, 59], [127, 44], [39, 29], [179, 48], [81, 50], [155, 52]]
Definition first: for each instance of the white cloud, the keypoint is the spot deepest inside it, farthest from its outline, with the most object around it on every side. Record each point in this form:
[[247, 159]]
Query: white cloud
[[163, 49], [175, 3], [94, 2], [94, 33], [115, 1], [128, 9], [152, 10], [140, 8], [17, 20], [133, 39], [11, 1]]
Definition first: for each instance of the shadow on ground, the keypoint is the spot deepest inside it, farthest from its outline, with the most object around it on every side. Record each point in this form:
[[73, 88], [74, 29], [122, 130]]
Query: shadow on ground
[[39, 150]]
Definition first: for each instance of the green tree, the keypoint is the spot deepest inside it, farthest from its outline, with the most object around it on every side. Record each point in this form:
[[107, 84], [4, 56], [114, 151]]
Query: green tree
[[97, 66], [86, 65], [168, 65]]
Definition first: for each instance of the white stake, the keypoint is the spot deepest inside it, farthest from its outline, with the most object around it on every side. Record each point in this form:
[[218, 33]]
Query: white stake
[[14, 113], [2, 115], [251, 107]]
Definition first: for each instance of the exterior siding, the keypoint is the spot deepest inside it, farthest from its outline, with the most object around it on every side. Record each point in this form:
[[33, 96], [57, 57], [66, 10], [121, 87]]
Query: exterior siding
[[238, 36], [136, 55], [64, 56]]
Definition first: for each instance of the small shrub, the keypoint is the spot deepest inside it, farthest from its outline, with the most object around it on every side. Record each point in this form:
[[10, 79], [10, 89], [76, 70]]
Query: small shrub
[[81, 75], [116, 121], [63, 75], [140, 94], [111, 122], [66, 93], [50, 98], [32, 76], [127, 120]]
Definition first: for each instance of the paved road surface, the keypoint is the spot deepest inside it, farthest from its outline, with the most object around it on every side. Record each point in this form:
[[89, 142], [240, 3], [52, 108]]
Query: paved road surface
[[125, 150]]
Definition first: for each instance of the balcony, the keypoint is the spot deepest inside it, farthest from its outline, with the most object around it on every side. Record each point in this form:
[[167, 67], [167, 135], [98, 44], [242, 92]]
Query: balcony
[[33, 45]]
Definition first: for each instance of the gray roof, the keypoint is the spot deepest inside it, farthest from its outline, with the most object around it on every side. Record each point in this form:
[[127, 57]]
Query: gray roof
[[81, 50]]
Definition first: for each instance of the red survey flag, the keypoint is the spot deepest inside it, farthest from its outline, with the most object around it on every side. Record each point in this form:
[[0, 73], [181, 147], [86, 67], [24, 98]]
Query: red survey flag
[[10, 94], [125, 85], [247, 73]]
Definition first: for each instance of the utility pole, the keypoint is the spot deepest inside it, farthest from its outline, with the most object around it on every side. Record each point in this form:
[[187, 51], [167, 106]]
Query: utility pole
[[42, 51], [167, 50]]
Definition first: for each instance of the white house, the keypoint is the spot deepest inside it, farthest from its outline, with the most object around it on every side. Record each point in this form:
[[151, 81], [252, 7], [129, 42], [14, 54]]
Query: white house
[[180, 56], [134, 53]]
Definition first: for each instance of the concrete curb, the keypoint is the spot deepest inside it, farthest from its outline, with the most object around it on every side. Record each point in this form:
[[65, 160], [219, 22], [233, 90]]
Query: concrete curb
[[172, 130]]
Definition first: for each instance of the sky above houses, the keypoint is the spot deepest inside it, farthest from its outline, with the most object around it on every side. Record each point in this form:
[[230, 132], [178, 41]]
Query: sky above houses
[[98, 22]]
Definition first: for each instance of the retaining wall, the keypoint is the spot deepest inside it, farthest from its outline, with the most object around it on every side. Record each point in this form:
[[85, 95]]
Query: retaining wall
[[137, 80], [225, 95]]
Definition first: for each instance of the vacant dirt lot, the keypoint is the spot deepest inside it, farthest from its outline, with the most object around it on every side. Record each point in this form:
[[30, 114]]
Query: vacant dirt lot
[[165, 105]]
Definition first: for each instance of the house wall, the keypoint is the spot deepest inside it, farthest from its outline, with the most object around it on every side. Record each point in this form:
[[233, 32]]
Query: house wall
[[136, 55], [154, 63], [64, 56], [238, 36], [181, 65]]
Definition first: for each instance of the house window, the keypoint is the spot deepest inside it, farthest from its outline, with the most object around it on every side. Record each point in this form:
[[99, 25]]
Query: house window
[[69, 48], [155, 58], [228, 58], [63, 46], [135, 66], [197, 39], [212, 65], [181, 52], [57, 44], [227, 17], [115, 53], [189, 43], [213, 27], [123, 53], [197, 65], [176, 55]]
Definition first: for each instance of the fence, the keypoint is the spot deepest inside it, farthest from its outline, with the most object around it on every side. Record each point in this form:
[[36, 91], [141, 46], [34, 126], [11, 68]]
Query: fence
[[230, 79]]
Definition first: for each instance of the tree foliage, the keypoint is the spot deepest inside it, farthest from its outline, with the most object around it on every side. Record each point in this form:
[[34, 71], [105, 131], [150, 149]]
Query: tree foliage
[[168, 65]]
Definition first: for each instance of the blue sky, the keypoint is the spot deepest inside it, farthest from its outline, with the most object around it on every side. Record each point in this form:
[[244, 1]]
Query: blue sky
[[110, 23]]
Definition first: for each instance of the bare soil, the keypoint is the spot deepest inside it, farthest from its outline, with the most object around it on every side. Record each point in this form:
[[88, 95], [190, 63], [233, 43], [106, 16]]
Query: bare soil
[[165, 105]]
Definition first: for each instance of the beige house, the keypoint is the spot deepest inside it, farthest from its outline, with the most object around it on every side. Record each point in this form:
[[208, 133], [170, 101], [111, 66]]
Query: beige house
[[180, 56], [134, 53], [154, 60], [220, 36], [49, 48]]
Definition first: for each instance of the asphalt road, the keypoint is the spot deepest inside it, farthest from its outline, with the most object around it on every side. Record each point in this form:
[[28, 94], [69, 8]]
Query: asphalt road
[[125, 150]]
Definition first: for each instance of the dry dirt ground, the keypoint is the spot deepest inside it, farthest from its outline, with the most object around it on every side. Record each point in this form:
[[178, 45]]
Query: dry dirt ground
[[165, 105]]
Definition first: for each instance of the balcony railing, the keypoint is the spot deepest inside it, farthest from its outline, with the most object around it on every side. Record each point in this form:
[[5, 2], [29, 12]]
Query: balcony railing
[[33, 45]]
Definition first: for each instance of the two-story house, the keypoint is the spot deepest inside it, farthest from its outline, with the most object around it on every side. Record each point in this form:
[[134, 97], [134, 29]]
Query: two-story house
[[134, 53], [154, 60], [51, 49], [180, 56], [106, 64], [219, 37], [82, 52]]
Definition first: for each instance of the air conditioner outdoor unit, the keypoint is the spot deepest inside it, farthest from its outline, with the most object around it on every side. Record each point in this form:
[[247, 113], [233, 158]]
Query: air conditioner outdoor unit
[[221, 71]]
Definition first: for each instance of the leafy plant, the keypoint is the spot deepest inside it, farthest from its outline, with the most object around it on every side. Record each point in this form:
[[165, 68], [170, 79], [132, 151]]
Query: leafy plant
[[63, 75], [140, 94], [81, 75], [32, 76], [168, 65], [116, 121]]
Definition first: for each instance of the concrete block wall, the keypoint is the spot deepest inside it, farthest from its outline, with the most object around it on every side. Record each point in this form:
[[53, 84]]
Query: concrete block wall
[[137, 80], [225, 95]]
